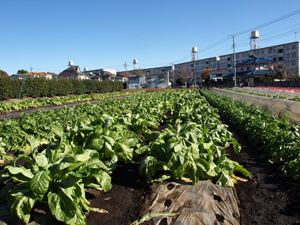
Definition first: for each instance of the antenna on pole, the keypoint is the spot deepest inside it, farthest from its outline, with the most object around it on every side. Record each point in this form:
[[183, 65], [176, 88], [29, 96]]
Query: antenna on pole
[[194, 51]]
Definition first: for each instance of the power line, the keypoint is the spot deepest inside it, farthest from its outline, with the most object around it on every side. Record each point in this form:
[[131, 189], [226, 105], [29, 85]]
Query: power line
[[291, 32], [268, 23], [221, 41]]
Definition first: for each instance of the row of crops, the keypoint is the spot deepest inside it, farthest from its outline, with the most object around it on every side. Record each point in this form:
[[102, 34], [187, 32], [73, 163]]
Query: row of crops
[[276, 138], [68, 150], [33, 103]]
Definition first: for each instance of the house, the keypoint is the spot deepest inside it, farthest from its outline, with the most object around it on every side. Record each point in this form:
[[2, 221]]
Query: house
[[101, 74], [218, 74], [73, 72], [46, 75], [251, 70]]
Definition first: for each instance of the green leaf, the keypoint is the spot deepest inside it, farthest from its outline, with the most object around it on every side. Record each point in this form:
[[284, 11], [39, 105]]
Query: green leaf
[[245, 172], [126, 152], [41, 160], [103, 179], [225, 180], [40, 182], [110, 140], [77, 161], [34, 143], [70, 180], [109, 152], [20, 173], [236, 146], [151, 215], [21, 207], [94, 164], [64, 209], [97, 144], [5, 191]]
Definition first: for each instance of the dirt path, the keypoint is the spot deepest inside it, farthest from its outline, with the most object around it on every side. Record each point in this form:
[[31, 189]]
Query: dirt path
[[268, 198]]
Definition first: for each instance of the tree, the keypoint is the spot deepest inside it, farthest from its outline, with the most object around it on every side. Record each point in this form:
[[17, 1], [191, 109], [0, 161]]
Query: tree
[[205, 75], [266, 78], [3, 74], [22, 71], [278, 70], [185, 74]]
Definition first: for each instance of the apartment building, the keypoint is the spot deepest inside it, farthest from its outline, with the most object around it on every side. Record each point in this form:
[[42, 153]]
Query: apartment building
[[286, 55]]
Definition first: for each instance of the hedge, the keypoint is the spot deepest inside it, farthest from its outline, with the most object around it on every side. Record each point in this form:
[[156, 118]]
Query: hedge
[[40, 87]]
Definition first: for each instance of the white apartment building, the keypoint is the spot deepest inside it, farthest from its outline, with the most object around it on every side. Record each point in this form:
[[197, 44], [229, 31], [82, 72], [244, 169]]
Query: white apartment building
[[284, 54]]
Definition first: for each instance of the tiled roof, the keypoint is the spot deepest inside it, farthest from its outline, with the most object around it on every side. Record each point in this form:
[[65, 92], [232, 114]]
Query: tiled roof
[[254, 61]]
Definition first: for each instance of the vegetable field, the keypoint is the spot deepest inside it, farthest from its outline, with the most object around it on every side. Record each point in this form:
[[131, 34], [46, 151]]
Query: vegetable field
[[71, 164]]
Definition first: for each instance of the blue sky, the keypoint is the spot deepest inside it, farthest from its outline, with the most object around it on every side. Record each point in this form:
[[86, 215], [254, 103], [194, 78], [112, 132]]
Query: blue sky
[[105, 34]]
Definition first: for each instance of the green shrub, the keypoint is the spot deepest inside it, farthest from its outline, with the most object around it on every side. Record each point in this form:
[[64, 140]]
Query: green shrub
[[40, 87]]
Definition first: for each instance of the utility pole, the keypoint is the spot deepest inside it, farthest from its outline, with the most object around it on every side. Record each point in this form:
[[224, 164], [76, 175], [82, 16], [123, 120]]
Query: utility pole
[[173, 72], [126, 76], [194, 72], [234, 60]]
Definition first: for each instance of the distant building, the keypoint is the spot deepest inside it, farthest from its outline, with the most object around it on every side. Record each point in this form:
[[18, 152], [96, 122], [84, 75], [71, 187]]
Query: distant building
[[283, 54], [101, 74], [73, 72], [46, 75], [253, 69]]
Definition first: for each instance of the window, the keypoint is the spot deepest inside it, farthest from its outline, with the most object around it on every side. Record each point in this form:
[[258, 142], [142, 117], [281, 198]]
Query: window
[[280, 50], [293, 46], [288, 55], [206, 62], [288, 47], [270, 50], [280, 58], [242, 69], [243, 55], [228, 59], [237, 56], [294, 54], [266, 66], [228, 65], [257, 52], [262, 51]]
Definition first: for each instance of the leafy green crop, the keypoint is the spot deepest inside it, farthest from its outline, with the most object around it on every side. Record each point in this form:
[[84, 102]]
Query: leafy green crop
[[276, 137], [57, 178], [76, 148], [192, 145]]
